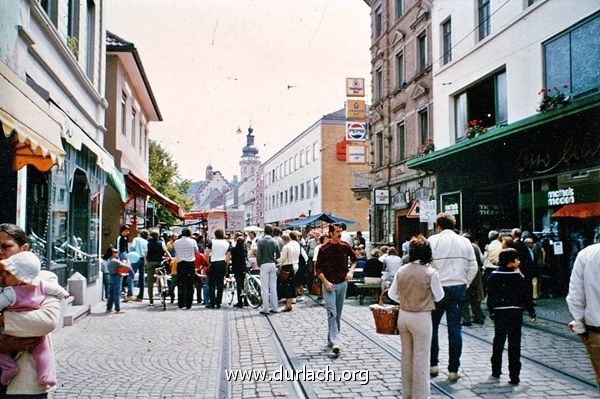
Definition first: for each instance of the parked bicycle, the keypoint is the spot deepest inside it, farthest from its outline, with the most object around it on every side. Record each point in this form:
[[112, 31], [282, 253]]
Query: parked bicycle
[[162, 282], [250, 291]]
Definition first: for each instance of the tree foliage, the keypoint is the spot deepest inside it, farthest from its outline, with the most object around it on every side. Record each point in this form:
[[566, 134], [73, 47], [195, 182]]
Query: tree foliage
[[164, 176]]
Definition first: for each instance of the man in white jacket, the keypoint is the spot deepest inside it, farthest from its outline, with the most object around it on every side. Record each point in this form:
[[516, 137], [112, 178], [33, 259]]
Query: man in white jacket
[[454, 259], [584, 303]]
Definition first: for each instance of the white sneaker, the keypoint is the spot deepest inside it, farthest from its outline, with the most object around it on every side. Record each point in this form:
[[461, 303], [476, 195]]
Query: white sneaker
[[453, 377], [434, 371], [294, 300], [336, 349], [301, 298]]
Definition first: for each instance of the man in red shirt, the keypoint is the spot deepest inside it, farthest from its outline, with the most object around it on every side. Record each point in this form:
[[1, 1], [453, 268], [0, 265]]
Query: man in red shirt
[[332, 270]]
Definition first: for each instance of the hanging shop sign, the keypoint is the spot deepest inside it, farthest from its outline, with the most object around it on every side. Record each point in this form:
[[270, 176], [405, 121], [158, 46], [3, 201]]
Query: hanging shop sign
[[355, 87], [382, 197], [561, 197], [356, 131], [356, 154], [356, 109]]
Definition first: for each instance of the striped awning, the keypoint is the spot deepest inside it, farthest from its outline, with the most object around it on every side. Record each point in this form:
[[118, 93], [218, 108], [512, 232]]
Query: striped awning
[[40, 150]]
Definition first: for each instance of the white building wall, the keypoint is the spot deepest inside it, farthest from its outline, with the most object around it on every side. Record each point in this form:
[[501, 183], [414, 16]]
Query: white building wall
[[515, 43], [308, 141]]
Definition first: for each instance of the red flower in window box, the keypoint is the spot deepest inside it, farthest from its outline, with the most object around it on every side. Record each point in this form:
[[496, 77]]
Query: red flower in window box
[[475, 128], [552, 98]]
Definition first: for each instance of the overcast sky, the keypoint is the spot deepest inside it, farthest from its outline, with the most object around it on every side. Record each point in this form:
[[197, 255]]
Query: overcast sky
[[215, 65]]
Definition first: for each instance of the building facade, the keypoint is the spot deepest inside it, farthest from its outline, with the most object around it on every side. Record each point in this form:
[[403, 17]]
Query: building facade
[[52, 105], [209, 193], [516, 115], [400, 118], [132, 106], [308, 176]]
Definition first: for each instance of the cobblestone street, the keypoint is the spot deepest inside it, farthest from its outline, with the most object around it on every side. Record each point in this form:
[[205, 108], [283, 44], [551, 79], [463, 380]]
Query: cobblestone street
[[147, 352]]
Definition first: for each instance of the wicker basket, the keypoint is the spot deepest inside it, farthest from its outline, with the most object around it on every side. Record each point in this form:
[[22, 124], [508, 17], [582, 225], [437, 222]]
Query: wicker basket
[[386, 317]]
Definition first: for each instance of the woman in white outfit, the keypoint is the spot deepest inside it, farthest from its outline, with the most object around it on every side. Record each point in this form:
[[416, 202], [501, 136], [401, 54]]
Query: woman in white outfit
[[416, 287]]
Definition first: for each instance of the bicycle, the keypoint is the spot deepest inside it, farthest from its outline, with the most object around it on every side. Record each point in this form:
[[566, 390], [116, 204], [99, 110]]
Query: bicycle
[[162, 282], [250, 291]]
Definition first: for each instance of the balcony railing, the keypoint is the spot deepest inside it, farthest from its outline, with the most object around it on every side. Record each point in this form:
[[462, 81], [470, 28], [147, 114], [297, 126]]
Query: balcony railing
[[361, 180]]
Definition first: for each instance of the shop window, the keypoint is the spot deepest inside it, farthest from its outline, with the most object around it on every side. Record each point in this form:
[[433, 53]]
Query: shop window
[[485, 102], [483, 18], [36, 225], [572, 58]]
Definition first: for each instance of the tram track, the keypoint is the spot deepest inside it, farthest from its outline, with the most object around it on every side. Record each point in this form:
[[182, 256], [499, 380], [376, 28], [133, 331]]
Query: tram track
[[301, 388]]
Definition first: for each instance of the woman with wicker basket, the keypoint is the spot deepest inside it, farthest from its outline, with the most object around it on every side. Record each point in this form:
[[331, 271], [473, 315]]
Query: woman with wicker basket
[[416, 287]]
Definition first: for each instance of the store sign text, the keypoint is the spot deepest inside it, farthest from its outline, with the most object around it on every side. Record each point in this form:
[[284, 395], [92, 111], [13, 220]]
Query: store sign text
[[561, 197], [545, 161], [491, 210], [452, 209]]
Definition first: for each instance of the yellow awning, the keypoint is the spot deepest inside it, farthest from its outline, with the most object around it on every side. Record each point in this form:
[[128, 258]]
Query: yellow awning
[[31, 148]]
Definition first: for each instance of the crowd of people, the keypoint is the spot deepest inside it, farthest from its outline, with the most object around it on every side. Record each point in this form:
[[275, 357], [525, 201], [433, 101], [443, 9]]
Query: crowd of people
[[444, 274]]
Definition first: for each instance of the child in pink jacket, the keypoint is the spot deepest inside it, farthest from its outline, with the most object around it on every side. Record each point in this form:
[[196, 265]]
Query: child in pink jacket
[[21, 290]]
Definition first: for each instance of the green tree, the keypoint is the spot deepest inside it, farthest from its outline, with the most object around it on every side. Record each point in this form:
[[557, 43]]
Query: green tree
[[164, 176]]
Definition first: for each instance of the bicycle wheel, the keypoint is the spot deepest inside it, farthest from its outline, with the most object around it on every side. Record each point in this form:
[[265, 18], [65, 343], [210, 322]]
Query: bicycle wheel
[[231, 289], [161, 291], [253, 291], [163, 298]]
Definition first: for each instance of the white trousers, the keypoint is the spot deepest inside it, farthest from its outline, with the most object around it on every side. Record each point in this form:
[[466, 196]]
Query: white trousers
[[415, 336]]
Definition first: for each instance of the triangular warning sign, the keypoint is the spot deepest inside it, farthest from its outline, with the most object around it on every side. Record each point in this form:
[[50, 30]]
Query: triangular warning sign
[[415, 210]]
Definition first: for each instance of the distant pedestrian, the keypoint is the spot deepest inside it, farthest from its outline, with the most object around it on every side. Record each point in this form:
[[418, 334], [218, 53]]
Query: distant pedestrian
[[332, 269], [116, 279], [391, 265], [220, 255], [454, 259], [472, 307], [267, 253], [139, 247], [156, 252], [186, 247], [299, 261], [239, 260], [416, 286], [584, 303], [508, 295], [285, 281]]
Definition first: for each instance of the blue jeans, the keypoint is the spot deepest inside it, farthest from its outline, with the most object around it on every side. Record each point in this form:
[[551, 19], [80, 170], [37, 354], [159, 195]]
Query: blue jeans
[[454, 298], [114, 292], [334, 303], [139, 265]]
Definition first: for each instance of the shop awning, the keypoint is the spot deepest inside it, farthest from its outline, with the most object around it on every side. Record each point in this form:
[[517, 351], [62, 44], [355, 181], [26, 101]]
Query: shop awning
[[31, 148], [137, 185], [117, 181], [579, 211], [517, 141]]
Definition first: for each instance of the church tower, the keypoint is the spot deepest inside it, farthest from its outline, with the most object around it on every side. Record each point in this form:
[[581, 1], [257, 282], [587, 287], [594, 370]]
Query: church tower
[[250, 161]]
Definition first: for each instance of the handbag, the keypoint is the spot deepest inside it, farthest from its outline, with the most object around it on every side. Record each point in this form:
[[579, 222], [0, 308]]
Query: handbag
[[122, 271], [316, 288], [284, 274]]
